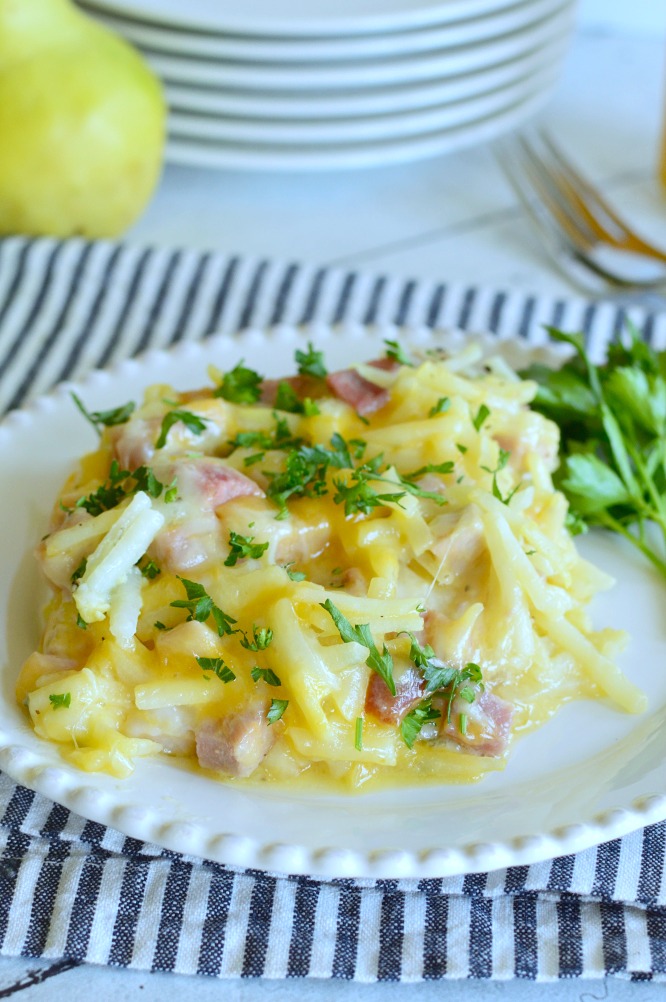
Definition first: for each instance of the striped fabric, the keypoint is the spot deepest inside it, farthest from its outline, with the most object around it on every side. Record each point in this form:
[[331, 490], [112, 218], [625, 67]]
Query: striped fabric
[[73, 889]]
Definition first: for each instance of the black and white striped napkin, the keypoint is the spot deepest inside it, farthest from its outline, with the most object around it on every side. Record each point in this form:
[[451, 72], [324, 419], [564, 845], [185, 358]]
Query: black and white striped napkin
[[70, 888]]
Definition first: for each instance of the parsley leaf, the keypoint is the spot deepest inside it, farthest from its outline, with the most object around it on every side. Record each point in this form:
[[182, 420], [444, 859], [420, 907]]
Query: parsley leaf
[[149, 570], [501, 463], [287, 399], [218, 667], [276, 710], [396, 353], [200, 607], [294, 575], [612, 420], [481, 415], [106, 419], [412, 722], [80, 570], [381, 663], [190, 420], [266, 675], [261, 638], [311, 362], [60, 700], [441, 407], [240, 385], [243, 546]]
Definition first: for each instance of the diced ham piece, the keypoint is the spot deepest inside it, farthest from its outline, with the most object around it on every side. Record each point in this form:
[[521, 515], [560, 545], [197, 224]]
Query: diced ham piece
[[208, 481], [357, 391], [379, 702], [488, 725], [204, 484], [235, 745]]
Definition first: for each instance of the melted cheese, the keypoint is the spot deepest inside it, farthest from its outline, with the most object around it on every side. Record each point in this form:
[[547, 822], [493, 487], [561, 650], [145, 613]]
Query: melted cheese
[[476, 563]]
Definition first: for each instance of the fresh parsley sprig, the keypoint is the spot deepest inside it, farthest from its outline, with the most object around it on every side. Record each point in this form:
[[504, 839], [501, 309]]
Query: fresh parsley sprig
[[612, 420]]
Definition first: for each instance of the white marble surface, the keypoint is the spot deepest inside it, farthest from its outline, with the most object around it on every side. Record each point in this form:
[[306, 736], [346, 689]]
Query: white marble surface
[[451, 219]]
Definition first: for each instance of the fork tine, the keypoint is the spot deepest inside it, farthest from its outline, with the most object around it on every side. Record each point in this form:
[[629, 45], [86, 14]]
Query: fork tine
[[600, 216], [555, 199], [579, 185], [560, 247], [598, 265]]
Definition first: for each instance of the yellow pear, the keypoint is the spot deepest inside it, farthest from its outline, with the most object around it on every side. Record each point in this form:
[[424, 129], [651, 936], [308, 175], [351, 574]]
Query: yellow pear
[[82, 121]]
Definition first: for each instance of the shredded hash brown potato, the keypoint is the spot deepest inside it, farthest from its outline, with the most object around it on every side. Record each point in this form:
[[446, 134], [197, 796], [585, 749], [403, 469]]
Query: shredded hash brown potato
[[348, 578]]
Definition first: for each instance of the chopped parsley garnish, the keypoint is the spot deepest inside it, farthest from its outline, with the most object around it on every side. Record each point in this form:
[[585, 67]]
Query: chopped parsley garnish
[[118, 487], [412, 722], [287, 399], [105, 419], [191, 421], [80, 570], [358, 496], [149, 570], [261, 638], [441, 407], [240, 386], [396, 353], [311, 362], [217, 667], [294, 575], [462, 449], [481, 415], [501, 463], [242, 547], [381, 663], [443, 468], [276, 710], [200, 607], [419, 654], [109, 494], [266, 675], [453, 680], [358, 734], [305, 470], [60, 700]]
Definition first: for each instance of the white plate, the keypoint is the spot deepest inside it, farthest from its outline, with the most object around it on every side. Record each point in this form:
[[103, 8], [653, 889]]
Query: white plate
[[350, 156], [360, 101], [589, 775], [362, 73], [280, 18], [188, 43], [359, 130]]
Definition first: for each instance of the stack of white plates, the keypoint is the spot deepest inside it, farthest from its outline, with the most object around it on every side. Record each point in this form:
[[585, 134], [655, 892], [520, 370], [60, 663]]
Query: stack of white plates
[[328, 84]]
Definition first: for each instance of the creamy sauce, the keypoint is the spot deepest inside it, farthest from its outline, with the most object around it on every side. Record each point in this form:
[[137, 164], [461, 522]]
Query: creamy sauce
[[435, 524]]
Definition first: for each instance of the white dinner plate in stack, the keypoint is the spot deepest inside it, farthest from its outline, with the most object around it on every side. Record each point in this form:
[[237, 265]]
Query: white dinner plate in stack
[[291, 85]]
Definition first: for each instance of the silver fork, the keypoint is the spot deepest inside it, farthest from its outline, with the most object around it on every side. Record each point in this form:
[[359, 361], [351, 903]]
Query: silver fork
[[583, 233]]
